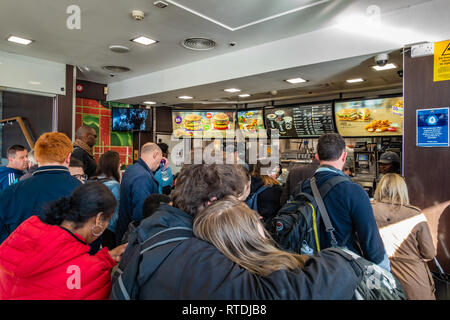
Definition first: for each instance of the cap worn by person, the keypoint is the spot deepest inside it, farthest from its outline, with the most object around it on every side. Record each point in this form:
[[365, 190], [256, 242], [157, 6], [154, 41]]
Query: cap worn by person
[[389, 157]]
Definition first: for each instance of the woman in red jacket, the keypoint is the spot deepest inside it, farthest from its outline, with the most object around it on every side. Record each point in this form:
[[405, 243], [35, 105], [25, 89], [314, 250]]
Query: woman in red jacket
[[47, 258]]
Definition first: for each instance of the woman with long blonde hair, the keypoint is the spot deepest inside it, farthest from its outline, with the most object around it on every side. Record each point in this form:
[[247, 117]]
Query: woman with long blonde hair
[[406, 237], [237, 231]]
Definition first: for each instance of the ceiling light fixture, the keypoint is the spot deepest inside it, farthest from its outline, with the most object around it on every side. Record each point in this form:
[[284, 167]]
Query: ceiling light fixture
[[386, 67], [296, 80], [144, 40], [232, 90], [149, 102], [185, 97], [244, 95], [355, 80], [19, 40]]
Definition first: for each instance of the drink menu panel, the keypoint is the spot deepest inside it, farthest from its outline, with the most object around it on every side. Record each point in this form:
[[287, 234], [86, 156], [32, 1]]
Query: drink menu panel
[[296, 121]]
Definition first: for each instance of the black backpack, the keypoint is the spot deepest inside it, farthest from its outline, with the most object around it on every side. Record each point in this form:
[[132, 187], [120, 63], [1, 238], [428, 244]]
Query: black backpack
[[296, 226], [126, 278]]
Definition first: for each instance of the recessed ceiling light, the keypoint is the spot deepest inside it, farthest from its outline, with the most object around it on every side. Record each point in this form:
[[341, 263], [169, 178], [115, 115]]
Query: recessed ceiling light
[[19, 40], [232, 90], [185, 97], [36, 83], [244, 95], [355, 80], [144, 40], [386, 67], [296, 80], [149, 102]]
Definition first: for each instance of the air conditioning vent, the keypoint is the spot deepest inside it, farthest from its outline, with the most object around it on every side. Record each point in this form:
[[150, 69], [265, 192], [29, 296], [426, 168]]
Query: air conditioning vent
[[119, 48], [198, 44], [117, 69]]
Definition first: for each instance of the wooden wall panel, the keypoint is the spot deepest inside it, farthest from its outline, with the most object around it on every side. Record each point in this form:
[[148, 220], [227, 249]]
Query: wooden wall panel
[[427, 170]]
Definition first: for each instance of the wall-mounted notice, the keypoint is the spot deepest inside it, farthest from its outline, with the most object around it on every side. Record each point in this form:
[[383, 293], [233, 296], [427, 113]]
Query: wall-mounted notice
[[442, 61], [432, 127]]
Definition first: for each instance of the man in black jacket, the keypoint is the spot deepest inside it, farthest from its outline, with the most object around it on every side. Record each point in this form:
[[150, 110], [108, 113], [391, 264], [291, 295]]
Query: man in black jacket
[[85, 139], [190, 268]]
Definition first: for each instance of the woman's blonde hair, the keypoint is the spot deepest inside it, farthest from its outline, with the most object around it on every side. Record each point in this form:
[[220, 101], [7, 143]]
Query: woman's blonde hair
[[235, 230], [392, 188]]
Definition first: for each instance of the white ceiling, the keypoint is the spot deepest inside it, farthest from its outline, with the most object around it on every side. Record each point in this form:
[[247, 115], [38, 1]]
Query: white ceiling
[[251, 24]]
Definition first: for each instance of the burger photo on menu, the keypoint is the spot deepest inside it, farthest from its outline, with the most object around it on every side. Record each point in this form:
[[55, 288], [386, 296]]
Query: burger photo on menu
[[193, 122], [221, 121], [347, 114], [364, 114]]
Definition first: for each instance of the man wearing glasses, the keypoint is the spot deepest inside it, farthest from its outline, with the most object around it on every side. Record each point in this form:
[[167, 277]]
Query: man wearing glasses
[[85, 139]]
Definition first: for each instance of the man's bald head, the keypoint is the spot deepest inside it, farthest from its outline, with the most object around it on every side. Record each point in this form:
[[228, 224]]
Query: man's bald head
[[151, 154], [86, 134]]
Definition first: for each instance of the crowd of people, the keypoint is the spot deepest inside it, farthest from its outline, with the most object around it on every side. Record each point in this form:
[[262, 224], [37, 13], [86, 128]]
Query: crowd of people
[[75, 228]]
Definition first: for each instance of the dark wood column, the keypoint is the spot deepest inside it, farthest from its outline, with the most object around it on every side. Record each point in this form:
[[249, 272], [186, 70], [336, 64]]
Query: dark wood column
[[427, 170], [65, 104]]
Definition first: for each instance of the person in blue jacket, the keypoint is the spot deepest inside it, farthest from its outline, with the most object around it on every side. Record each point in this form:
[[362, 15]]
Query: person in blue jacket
[[17, 164], [50, 181], [348, 205], [138, 182], [165, 185]]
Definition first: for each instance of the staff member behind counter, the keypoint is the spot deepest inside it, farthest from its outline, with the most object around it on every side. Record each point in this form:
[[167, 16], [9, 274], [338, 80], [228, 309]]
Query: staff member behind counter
[[389, 163]]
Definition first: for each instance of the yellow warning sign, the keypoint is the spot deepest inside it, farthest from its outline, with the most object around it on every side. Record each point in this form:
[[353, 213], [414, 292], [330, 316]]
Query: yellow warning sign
[[442, 61]]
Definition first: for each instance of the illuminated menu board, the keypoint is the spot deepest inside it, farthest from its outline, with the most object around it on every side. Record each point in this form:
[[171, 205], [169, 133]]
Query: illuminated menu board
[[203, 124], [296, 121], [367, 118], [251, 123]]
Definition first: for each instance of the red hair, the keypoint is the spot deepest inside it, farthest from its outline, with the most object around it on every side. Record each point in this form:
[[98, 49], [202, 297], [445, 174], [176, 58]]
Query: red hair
[[52, 147]]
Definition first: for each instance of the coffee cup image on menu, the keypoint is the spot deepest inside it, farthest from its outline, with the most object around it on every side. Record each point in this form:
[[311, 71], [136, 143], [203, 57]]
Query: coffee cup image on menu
[[280, 120], [221, 121], [271, 117], [288, 123], [193, 122]]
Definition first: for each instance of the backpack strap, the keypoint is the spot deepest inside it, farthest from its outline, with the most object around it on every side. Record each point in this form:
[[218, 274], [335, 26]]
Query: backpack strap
[[323, 211]]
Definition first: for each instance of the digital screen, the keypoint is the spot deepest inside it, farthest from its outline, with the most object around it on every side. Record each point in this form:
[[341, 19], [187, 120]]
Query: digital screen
[[296, 121], [363, 157], [375, 117], [130, 119], [251, 123], [204, 124]]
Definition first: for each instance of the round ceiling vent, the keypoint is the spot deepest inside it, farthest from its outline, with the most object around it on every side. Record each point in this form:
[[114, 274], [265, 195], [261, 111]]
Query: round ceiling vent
[[116, 69], [118, 48], [198, 44]]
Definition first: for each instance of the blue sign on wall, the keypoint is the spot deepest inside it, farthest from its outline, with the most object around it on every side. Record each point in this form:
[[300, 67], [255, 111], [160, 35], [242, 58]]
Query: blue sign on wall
[[432, 127]]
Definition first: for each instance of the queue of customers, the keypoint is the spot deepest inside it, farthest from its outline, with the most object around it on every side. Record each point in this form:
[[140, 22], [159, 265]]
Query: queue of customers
[[66, 226]]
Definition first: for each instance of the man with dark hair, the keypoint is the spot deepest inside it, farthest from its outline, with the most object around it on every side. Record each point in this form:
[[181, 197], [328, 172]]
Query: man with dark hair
[[347, 204], [85, 140], [164, 175], [138, 182], [164, 260], [17, 164]]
